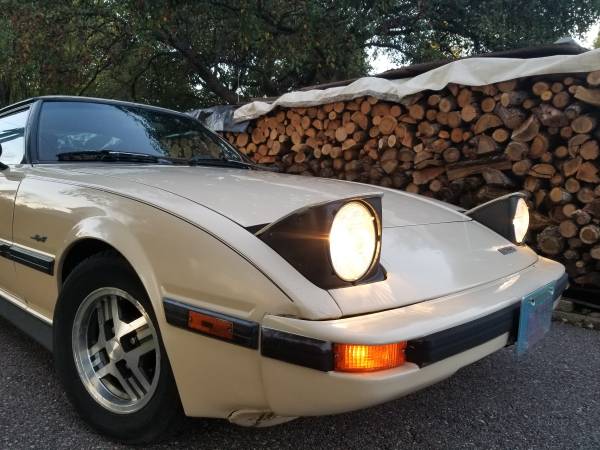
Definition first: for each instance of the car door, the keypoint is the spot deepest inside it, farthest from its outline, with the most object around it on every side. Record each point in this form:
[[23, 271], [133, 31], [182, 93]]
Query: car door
[[12, 140]]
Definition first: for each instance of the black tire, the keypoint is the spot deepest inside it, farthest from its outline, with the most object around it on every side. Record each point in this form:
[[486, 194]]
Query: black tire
[[109, 270]]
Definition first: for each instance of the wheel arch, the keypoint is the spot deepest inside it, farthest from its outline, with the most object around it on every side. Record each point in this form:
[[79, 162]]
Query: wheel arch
[[99, 234], [78, 252]]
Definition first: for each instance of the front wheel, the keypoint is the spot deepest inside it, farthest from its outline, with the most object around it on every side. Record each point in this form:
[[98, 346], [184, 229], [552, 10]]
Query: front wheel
[[109, 354]]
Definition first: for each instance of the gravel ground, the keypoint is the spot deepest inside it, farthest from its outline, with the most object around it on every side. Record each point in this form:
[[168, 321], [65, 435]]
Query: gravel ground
[[550, 399]]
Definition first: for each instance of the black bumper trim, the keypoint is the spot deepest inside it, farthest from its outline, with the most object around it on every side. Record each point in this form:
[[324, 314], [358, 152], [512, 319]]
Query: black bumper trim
[[561, 285], [438, 346], [245, 332], [296, 349]]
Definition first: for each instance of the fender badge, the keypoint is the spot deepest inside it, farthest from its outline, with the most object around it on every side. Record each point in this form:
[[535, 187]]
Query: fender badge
[[39, 238], [507, 250]]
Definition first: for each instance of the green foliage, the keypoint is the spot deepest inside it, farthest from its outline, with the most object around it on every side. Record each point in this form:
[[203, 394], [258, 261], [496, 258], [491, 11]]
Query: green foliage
[[421, 31], [188, 53], [597, 41]]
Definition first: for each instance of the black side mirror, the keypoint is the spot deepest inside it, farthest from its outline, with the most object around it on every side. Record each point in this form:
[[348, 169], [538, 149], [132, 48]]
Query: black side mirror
[[2, 165]]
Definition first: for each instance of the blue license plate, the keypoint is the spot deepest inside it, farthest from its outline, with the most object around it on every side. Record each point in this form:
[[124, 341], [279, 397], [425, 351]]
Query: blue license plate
[[535, 317]]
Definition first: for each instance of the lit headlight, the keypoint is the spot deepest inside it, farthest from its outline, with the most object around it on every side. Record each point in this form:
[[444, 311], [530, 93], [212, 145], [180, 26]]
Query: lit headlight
[[521, 220], [334, 244], [507, 215], [353, 241]]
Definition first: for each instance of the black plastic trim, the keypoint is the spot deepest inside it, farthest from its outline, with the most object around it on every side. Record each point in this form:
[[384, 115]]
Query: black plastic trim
[[561, 285], [29, 258], [438, 346], [295, 349], [245, 332], [34, 327], [32, 259], [256, 228]]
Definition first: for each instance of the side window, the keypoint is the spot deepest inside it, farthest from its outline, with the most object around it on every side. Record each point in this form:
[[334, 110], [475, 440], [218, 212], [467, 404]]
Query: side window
[[12, 137]]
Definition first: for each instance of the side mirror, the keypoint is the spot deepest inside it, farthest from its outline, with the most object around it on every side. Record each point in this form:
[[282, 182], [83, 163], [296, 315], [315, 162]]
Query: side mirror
[[2, 165]]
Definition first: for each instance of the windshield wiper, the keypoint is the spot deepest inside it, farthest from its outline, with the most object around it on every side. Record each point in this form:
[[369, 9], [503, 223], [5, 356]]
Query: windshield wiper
[[116, 156], [201, 160], [110, 155]]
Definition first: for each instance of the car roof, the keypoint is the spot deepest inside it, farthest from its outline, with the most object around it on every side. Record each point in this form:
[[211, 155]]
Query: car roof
[[74, 98]]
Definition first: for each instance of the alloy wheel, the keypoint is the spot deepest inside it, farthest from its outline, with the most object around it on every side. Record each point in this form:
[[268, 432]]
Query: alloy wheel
[[116, 350]]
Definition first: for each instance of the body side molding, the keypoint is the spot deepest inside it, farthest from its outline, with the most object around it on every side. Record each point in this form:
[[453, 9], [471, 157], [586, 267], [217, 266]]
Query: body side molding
[[27, 257]]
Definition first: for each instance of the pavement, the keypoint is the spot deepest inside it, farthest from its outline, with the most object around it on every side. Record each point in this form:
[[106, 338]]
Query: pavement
[[548, 399]]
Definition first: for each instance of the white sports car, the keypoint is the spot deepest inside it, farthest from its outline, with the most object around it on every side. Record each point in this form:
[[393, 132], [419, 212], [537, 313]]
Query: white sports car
[[168, 274]]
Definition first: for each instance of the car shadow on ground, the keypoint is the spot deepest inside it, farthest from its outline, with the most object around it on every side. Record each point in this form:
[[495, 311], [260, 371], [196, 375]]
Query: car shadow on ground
[[548, 399]]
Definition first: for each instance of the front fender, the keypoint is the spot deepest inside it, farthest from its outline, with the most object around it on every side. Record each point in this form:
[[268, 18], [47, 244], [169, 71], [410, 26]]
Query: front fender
[[174, 259]]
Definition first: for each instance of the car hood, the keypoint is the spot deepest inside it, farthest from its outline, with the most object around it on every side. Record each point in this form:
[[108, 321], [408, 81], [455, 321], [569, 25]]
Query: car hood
[[254, 197]]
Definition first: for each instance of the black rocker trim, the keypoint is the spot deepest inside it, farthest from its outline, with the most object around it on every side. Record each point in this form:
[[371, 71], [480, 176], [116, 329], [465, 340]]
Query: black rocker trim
[[31, 325], [245, 332], [29, 258]]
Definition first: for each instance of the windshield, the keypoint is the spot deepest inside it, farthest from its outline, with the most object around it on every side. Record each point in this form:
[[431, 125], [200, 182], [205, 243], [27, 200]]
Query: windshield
[[67, 128]]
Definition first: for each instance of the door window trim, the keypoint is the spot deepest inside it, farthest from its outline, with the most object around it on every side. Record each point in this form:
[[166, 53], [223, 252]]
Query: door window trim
[[28, 123]]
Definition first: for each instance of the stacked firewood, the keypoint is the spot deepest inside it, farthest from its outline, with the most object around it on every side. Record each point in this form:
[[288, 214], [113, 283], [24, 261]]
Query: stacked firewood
[[464, 145]]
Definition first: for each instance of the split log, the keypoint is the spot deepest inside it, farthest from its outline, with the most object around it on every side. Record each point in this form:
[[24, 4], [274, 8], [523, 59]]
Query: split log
[[568, 229], [426, 175], [485, 122], [559, 195], [550, 241], [593, 78], [583, 124], [467, 168], [590, 96], [589, 234], [527, 131]]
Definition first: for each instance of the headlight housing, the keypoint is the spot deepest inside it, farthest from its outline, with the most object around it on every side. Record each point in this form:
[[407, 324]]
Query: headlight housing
[[507, 215], [336, 244]]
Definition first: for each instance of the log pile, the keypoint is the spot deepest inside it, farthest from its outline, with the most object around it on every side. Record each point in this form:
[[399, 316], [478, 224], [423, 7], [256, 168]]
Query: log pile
[[464, 145]]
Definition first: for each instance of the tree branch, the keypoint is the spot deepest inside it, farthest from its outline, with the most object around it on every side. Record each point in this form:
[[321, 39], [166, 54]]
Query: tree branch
[[211, 81]]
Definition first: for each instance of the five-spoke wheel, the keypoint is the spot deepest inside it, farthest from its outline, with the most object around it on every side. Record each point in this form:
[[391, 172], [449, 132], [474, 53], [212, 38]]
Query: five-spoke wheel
[[109, 354], [116, 350]]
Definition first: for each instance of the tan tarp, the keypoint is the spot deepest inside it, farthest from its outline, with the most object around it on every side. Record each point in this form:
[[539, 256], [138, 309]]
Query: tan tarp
[[471, 72]]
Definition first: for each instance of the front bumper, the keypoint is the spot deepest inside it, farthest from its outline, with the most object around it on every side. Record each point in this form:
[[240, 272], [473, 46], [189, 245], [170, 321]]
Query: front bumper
[[444, 335]]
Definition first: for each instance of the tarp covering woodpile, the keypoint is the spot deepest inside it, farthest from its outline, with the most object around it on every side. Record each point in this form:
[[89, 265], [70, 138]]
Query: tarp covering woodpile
[[468, 72], [465, 132]]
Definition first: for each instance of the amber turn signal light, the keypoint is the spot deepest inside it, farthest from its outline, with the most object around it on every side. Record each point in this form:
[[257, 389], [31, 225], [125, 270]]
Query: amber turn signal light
[[368, 358], [210, 325]]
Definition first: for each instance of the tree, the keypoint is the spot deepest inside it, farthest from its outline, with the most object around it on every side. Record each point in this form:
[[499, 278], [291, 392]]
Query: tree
[[424, 30], [241, 49], [187, 53], [597, 41], [246, 48]]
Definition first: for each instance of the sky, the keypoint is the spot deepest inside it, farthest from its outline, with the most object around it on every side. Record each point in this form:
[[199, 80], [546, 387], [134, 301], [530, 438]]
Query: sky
[[382, 62]]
